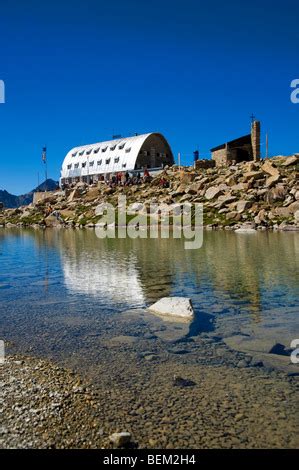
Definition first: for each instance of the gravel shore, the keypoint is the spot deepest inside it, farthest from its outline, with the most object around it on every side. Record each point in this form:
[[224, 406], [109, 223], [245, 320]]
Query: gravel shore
[[46, 406]]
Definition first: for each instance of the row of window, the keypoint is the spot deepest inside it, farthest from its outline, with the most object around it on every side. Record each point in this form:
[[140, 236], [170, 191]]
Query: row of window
[[99, 163], [103, 149]]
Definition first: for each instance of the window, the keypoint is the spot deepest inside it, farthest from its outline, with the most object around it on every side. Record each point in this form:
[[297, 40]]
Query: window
[[124, 165], [91, 163], [121, 146], [113, 147], [99, 162], [88, 152], [69, 167], [108, 161], [104, 149], [76, 165], [128, 150], [96, 150], [74, 154], [83, 164], [116, 160], [81, 153]]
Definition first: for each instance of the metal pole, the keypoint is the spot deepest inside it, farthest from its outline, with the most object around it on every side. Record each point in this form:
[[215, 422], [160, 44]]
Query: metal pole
[[46, 174], [267, 145]]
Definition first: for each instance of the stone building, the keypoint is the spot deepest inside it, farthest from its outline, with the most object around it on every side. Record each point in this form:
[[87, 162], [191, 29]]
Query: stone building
[[90, 162], [244, 148]]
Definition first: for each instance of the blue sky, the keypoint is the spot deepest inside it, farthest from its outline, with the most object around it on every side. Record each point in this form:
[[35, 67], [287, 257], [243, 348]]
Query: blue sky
[[77, 72]]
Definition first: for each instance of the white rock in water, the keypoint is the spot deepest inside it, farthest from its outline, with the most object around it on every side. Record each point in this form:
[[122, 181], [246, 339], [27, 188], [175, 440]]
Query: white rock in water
[[173, 306]]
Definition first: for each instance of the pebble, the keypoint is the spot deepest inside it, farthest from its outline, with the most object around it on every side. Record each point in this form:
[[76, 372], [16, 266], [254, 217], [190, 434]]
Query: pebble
[[120, 439]]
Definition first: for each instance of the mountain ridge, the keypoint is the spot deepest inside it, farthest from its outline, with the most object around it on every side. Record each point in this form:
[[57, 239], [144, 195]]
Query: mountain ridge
[[11, 201]]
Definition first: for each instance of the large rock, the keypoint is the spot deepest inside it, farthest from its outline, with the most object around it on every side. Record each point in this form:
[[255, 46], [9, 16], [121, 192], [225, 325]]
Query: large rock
[[212, 192], [240, 187], [254, 175], [52, 221], [93, 193], [267, 167], [242, 206], [173, 306], [291, 160], [272, 180], [277, 193]]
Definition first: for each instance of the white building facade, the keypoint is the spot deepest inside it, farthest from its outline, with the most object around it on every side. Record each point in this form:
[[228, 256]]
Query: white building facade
[[89, 163]]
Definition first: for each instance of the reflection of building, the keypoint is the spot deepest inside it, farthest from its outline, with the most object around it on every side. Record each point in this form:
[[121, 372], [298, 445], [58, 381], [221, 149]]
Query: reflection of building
[[244, 148], [98, 277], [120, 155], [230, 272], [99, 274]]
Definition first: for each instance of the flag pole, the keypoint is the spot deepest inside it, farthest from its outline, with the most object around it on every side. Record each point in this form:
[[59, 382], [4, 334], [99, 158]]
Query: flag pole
[[44, 159]]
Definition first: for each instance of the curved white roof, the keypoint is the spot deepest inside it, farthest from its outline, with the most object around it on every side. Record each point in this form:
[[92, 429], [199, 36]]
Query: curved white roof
[[105, 157]]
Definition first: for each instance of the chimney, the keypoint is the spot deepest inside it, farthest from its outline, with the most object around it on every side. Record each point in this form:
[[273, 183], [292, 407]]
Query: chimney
[[256, 140]]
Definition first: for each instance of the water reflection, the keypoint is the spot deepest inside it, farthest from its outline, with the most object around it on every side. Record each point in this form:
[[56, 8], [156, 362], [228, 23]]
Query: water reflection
[[230, 274], [239, 269]]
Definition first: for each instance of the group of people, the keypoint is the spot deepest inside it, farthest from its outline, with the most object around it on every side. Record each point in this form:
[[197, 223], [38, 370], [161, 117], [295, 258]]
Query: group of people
[[122, 178], [125, 179]]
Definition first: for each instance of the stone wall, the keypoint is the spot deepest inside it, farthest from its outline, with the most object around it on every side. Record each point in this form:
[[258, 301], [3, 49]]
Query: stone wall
[[41, 195], [220, 156], [205, 164]]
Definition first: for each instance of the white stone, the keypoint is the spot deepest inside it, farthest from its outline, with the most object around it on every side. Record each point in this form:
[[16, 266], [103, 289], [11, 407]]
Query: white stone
[[212, 192], [173, 306]]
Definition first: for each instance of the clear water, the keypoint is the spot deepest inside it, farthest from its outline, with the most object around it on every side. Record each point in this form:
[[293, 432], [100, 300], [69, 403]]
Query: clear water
[[57, 287]]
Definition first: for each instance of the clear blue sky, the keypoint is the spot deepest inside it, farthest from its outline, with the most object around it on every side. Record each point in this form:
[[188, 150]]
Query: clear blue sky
[[78, 71]]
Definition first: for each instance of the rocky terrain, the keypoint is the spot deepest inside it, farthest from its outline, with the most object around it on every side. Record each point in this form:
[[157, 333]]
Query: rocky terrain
[[215, 398], [261, 195]]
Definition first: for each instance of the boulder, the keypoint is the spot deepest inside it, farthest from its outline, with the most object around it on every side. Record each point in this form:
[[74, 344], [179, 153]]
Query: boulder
[[233, 215], [267, 167], [93, 193], [240, 187], [242, 206], [261, 217], [224, 200], [52, 221], [291, 160], [255, 175], [272, 180], [212, 192], [173, 306]]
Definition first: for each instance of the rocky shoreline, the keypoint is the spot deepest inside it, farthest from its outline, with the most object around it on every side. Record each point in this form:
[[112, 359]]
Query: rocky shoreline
[[47, 406], [256, 195]]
